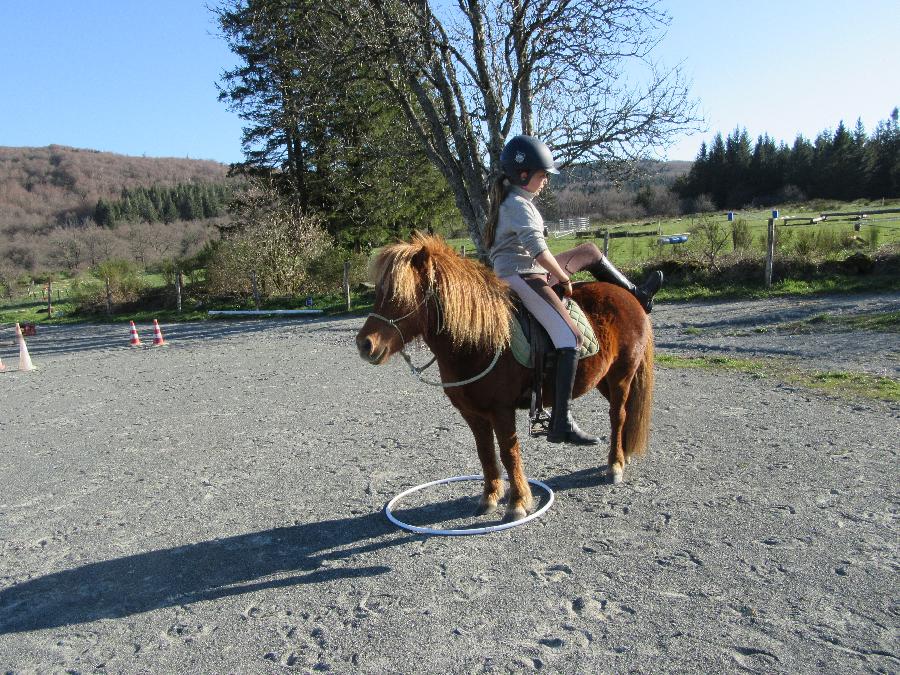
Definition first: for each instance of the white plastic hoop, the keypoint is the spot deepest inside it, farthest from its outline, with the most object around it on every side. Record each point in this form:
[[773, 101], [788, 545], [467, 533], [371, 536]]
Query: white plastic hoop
[[472, 530]]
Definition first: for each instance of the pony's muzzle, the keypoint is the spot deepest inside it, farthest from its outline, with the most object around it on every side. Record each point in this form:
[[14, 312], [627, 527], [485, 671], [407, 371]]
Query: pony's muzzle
[[369, 351]]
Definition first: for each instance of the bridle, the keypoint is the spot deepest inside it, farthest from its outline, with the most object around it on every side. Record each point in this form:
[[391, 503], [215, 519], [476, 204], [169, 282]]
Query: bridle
[[393, 322], [429, 294]]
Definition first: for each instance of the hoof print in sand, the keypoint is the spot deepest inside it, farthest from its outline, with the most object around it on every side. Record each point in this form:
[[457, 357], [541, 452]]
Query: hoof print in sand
[[552, 573]]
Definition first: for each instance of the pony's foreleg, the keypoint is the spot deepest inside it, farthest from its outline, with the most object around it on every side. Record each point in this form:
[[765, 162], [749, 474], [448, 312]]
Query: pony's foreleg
[[519, 491], [484, 443]]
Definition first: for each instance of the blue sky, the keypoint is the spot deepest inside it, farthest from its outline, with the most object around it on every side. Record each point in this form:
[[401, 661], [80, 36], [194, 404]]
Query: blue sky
[[127, 76], [785, 66], [138, 78]]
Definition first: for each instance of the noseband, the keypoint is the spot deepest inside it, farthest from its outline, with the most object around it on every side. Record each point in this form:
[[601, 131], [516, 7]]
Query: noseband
[[393, 322]]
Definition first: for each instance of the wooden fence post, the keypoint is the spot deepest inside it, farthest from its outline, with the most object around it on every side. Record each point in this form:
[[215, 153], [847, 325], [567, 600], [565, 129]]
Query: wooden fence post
[[770, 252], [49, 298], [606, 244], [255, 288], [347, 283], [178, 290], [108, 298]]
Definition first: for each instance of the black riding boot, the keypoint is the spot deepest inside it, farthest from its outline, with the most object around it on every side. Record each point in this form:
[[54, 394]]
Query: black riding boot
[[563, 428], [604, 270]]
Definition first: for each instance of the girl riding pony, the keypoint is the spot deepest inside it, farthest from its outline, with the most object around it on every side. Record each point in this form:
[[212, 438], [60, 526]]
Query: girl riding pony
[[514, 235]]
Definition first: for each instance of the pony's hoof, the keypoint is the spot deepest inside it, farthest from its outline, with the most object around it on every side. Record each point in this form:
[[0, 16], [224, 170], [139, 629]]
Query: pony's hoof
[[616, 473], [485, 508], [514, 514]]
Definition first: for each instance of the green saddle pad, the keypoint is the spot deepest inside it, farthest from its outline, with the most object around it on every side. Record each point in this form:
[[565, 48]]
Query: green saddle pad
[[521, 349]]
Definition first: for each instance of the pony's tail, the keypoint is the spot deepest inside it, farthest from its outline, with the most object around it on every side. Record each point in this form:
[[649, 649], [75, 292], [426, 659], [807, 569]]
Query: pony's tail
[[639, 405]]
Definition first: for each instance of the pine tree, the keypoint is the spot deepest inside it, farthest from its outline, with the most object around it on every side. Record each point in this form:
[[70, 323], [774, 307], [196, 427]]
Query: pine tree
[[883, 158], [718, 185], [103, 215], [765, 171], [800, 165], [841, 168], [167, 210], [344, 152], [738, 155]]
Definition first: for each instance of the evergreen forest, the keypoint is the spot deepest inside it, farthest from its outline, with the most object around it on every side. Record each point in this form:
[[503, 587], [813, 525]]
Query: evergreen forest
[[844, 165], [164, 204]]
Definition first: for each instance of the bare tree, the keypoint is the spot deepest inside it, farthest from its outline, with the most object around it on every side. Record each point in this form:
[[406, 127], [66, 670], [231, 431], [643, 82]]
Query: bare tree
[[470, 73], [140, 239], [67, 251], [98, 243], [711, 238]]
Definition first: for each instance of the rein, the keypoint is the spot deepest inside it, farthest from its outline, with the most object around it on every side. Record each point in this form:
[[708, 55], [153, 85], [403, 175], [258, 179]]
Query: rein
[[418, 371]]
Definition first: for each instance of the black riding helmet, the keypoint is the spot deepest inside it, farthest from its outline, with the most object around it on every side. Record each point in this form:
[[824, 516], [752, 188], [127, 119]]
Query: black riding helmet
[[525, 153]]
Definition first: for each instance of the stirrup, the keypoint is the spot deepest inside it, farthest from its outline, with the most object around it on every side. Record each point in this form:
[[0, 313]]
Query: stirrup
[[540, 423]]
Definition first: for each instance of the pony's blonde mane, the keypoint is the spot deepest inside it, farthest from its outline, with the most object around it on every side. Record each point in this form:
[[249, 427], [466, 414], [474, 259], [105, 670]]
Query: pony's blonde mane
[[475, 305]]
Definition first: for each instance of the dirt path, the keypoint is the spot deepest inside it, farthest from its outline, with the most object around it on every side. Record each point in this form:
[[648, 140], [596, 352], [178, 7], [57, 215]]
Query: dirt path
[[215, 506]]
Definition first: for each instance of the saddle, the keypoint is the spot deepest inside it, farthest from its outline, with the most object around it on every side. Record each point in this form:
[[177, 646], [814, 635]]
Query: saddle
[[531, 346]]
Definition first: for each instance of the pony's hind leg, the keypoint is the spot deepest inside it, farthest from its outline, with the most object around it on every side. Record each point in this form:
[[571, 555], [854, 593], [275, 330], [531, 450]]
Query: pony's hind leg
[[618, 395], [519, 491], [484, 443]]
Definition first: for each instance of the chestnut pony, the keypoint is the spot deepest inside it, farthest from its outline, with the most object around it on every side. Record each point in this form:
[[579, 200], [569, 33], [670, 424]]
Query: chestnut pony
[[461, 310]]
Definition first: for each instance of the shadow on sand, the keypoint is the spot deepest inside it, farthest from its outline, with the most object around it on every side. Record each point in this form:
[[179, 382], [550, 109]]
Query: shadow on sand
[[222, 567]]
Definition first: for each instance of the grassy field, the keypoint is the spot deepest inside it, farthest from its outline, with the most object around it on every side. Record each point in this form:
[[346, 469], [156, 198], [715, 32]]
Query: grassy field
[[839, 383]]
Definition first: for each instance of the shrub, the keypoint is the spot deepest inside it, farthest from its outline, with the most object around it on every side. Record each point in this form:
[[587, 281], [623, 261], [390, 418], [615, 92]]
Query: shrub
[[699, 204], [784, 236], [741, 237], [709, 238], [829, 241], [805, 243], [6, 283], [89, 291], [858, 263], [874, 236], [326, 273], [274, 243]]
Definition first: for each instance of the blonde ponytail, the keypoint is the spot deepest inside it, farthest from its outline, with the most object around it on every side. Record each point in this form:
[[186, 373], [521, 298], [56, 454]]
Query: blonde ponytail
[[496, 194]]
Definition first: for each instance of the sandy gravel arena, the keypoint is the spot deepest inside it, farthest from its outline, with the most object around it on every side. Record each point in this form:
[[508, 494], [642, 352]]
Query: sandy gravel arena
[[217, 505]]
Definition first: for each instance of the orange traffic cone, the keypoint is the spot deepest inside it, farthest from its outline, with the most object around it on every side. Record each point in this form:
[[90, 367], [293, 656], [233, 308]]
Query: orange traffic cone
[[157, 335], [25, 363], [135, 340]]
